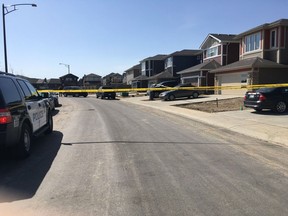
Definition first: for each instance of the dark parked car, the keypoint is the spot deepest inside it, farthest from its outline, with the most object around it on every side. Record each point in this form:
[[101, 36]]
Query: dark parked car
[[103, 93], [170, 83], [23, 114], [180, 93], [71, 91], [275, 99]]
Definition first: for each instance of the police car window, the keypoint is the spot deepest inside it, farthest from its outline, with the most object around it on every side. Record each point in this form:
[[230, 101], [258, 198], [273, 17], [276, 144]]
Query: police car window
[[32, 89], [9, 91], [25, 89]]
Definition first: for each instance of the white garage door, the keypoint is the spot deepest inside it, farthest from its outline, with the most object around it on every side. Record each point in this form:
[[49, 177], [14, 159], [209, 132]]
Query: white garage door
[[235, 80]]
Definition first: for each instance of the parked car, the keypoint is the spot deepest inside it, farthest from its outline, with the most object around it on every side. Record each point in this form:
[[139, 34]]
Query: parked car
[[170, 83], [275, 99], [23, 114], [106, 94], [179, 93], [56, 98], [50, 98], [73, 93]]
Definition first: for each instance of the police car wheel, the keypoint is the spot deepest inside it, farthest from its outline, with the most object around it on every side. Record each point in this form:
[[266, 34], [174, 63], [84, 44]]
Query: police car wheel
[[50, 124], [24, 146]]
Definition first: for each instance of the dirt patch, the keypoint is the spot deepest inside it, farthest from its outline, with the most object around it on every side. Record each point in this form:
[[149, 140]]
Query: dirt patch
[[224, 105]]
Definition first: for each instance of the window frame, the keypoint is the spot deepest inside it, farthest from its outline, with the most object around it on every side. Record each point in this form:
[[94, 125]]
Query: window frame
[[275, 38], [169, 62], [252, 42], [7, 98], [208, 51]]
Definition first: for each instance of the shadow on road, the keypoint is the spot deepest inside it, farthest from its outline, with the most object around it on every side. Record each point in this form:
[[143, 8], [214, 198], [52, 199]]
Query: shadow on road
[[20, 179]]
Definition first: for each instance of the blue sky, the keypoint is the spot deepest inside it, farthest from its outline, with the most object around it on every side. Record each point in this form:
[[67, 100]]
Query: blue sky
[[104, 36]]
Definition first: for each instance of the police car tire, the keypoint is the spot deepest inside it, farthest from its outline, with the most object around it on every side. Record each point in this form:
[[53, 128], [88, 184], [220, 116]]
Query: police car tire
[[24, 146], [49, 123]]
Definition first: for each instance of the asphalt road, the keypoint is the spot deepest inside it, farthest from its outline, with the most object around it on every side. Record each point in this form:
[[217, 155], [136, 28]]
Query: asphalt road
[[108, 157]]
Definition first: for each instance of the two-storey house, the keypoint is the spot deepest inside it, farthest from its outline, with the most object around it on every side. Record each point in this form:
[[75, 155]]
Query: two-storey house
[[69, 80], [263, 58], [112, 79], [131, 73], [217, 49], [91, 81], [223, 48], [175, 62], [149, 67]]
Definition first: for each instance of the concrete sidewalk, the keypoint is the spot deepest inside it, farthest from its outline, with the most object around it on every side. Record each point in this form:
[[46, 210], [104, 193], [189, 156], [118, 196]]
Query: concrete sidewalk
[[265, 126]]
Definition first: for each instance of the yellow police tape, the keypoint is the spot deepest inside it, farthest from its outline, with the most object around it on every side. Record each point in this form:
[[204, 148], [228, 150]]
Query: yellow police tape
[[201, 88]]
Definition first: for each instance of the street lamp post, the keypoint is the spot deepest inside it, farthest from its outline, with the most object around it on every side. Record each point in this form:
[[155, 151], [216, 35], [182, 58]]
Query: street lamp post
[[66, 65], [5, 11]]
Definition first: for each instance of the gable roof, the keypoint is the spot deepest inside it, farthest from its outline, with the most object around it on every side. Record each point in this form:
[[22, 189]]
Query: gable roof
[[224, 37], [92, 75], [186, 52], [209, 65], [249, 63], [112, 75], [54, 81], [139, 78], [162, 75], [221, 38], [69, 75], [264, 26], [135, 67], [155, 58]]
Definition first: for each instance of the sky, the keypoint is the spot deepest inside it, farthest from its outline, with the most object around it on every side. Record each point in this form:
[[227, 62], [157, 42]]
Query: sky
[[105, 36]]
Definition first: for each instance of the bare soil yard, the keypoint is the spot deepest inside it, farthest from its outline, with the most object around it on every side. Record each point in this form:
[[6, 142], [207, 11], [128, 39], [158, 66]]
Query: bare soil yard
[[232, 104]]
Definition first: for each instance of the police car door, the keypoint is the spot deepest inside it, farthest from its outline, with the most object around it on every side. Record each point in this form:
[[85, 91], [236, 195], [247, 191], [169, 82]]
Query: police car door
[[36, 108]]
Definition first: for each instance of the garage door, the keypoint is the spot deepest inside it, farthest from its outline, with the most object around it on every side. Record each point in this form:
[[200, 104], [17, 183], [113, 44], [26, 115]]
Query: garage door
[[234, 80]]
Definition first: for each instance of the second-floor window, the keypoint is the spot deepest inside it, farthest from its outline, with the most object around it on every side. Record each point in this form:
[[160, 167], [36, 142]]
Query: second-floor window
[[273, 38], [168, 62], [213, 51], [252, 42], [143, 68]]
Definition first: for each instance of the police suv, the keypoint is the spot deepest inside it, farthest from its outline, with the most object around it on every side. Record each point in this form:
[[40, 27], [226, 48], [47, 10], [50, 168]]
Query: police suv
[[23, 114]]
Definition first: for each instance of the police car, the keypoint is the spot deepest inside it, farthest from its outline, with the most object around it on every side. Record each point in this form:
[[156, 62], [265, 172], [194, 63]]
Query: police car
[[23, 114]]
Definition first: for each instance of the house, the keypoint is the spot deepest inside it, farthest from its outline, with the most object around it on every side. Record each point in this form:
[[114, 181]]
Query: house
[[112, 78], [199, 75], [223, 48], [69, 80], [131, 73], [54, 83], [182, 60], [152, 65], [263, 52], [175, 62], [140, 82], [149, 67], [91, 81]]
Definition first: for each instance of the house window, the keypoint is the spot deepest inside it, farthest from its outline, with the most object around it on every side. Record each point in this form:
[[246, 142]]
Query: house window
[[273, 38], [168, 62], [143, 68], [212, 52], [252, 42], [244, 78]]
